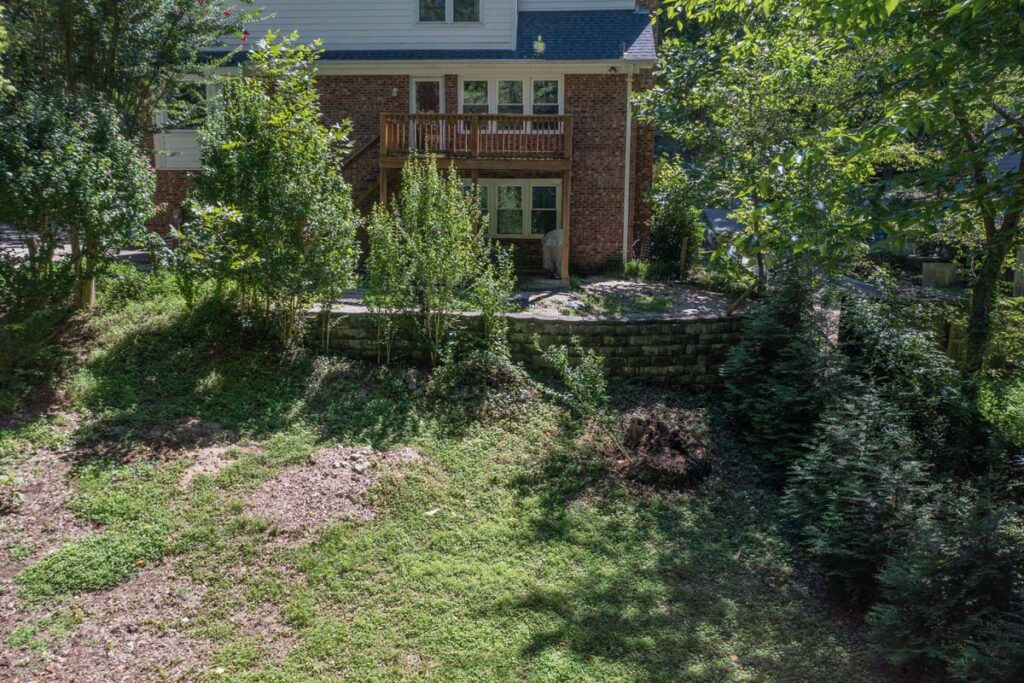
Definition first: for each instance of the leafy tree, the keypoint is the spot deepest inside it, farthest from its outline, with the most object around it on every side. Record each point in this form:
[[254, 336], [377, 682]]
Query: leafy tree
[[676, 227], [427, 257], [854, 496], [66, 169], [943, 82], [128, 54], [272, 214], [737, 106], [3, 47]]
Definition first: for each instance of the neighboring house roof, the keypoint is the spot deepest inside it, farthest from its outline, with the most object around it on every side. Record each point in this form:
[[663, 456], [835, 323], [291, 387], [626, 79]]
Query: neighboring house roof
[[567, 36], [1010, 163], [720, 221]]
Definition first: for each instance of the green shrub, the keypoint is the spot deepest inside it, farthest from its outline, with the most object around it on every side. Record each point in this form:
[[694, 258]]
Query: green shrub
[[855, 493], [953, 599], [909, 368], [1002, 390], [94, 562], [10, 495], [124, 283], [483, 383], [29, 354], [775, 378], [271, 215], [677, 230], [427, 260], [581, 371], [636, 270]]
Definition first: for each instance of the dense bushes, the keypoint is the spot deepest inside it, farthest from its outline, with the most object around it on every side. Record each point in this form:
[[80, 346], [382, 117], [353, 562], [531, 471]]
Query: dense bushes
[[271, 215], [677, 230], [870, 482], [882, 345], [775, 378], [427, 258], [854, 495], [953, 599]]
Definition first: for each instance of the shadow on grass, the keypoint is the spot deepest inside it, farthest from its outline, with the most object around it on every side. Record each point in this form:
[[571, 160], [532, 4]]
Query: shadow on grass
[[696, 586], [178, 378]]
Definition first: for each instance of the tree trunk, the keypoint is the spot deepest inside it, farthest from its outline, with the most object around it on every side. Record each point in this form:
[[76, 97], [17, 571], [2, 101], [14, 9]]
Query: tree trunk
[[984, 294], [684, 249], [85, 278]]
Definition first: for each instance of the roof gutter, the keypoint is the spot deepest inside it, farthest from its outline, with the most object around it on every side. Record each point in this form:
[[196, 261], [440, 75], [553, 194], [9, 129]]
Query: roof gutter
[[627, 165]]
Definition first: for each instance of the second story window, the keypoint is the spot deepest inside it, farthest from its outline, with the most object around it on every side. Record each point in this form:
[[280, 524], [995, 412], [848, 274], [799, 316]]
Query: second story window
[[449, 11], [465, 10]]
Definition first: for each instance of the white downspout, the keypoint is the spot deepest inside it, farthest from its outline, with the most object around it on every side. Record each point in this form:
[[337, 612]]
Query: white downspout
[[627, 175]]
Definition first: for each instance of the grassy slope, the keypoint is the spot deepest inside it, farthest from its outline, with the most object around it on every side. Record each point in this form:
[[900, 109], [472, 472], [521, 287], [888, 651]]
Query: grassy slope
[[532, 564]]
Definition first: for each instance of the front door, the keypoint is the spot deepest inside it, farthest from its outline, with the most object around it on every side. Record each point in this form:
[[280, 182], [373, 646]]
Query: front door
[[426, 97]]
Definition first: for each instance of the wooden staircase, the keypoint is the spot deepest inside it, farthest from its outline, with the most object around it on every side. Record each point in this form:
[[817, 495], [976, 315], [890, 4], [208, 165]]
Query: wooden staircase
[[362, 173]]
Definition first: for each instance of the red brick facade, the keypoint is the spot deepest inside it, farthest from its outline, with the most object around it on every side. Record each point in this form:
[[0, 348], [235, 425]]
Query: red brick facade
[[597, 104]]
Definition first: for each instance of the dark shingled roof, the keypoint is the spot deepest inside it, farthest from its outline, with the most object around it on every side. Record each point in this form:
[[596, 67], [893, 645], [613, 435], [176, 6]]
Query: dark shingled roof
[[567, 36]]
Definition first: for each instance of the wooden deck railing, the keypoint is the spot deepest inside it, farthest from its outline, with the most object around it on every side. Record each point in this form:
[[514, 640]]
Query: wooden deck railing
[[487, 136]]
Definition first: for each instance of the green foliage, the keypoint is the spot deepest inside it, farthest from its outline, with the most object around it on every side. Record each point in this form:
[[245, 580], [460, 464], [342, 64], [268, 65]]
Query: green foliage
[[885, 346], [844, 117], [11, 496], [40, 634], [272, 215], [854, 495], [125, 283], [676, 223], [66, 170], [953, 599], [776, 377], [4, 85], [427, 259], [482, 383], [93, 563], [636, 270], [129, 54], [28, 354], [581, 371]]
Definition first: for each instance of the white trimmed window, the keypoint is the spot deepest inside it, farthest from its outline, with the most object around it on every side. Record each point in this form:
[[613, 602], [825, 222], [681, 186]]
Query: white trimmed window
[[520, 209], [176, 143], [538, 96], [449, 11]]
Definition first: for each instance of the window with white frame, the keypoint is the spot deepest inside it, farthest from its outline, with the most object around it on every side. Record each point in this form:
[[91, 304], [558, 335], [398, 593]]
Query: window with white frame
[[522, 209], [475, 99], [449, 11], [538, 96]]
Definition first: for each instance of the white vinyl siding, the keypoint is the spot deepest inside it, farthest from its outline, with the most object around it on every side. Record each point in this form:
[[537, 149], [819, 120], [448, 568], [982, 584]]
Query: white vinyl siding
[[570, 5], [388, 24], [176, 150]]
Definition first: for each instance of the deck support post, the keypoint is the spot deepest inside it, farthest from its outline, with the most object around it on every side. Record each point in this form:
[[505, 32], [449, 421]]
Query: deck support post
[[566, 195], [384, 187]]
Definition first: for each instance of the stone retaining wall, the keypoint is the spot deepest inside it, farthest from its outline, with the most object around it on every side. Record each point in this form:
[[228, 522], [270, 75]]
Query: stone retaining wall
[[659, 350]]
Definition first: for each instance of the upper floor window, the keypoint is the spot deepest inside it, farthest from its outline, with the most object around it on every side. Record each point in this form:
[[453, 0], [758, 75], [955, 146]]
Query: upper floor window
[[450, 11], [538, 96]]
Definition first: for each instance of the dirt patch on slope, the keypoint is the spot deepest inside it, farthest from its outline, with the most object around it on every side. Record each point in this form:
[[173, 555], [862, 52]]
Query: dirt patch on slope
[[135, 631], [328, 489], [41, 522]]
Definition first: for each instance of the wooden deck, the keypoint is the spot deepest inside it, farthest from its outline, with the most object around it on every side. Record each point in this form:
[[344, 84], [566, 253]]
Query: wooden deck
[[478, 141], [481, 142]]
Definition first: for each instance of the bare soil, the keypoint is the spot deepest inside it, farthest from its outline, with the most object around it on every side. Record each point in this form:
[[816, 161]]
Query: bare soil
[[327, 489]]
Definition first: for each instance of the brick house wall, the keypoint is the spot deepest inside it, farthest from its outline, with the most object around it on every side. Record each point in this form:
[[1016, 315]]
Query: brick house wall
[[597, 103]]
